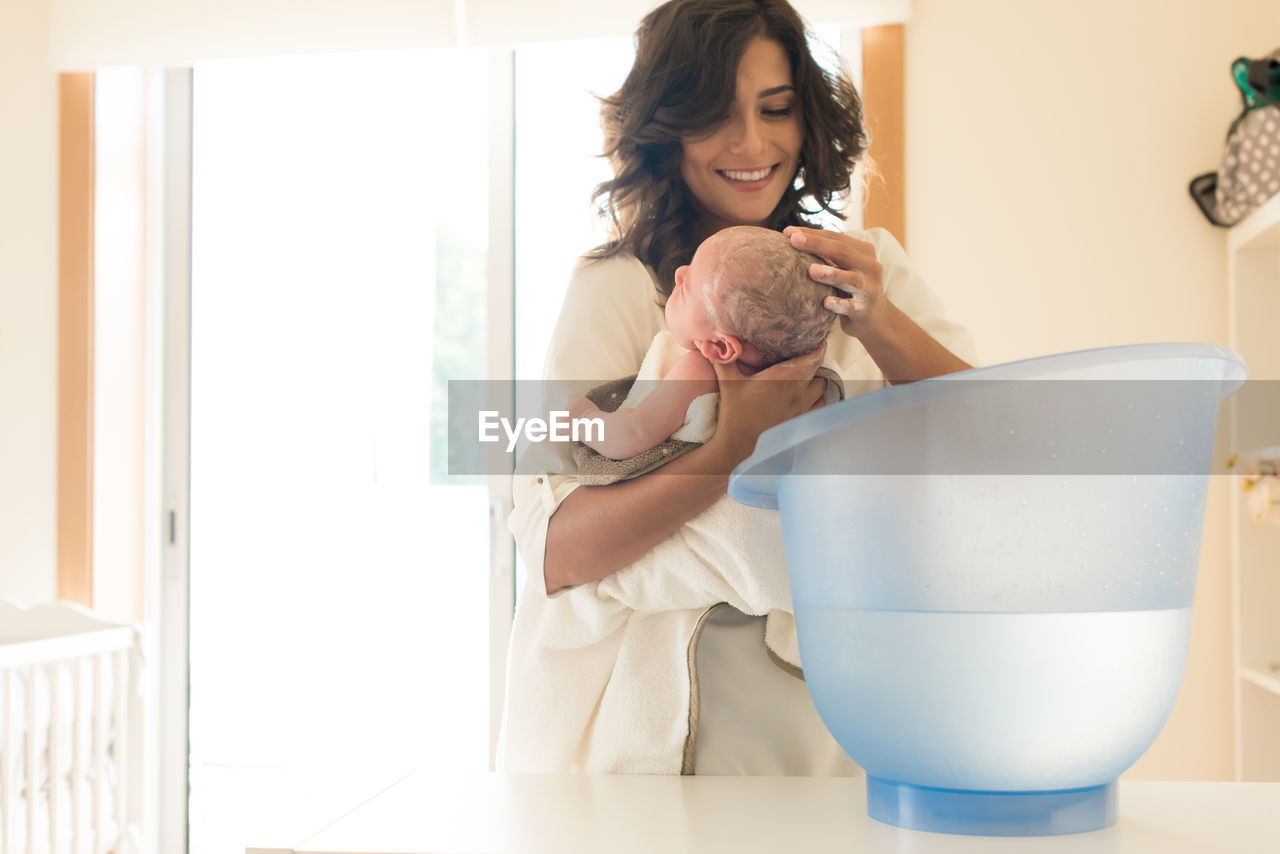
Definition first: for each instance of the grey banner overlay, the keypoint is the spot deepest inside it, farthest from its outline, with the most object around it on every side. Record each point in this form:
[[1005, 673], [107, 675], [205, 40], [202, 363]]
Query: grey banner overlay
[[978, 427]]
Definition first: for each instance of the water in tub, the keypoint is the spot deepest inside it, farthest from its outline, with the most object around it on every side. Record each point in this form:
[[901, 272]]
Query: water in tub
[[994, 701]]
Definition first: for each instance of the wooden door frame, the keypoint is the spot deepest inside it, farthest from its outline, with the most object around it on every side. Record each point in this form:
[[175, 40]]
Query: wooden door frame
[[884, 110], [76, 201]]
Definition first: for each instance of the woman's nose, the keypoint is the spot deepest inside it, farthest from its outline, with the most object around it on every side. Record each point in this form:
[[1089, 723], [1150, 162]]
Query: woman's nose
[[747, 136]]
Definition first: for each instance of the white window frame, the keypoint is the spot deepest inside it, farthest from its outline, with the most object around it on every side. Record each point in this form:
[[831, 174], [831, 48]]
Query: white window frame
[[501, 365], [168, 583]]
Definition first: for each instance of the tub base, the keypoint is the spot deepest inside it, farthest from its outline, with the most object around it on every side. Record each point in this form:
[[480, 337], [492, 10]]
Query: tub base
[[991, 813]]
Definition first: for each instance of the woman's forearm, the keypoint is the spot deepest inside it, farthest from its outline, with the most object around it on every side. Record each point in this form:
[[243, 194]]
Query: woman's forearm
[[598, 530], [898, 345], [905, 353]]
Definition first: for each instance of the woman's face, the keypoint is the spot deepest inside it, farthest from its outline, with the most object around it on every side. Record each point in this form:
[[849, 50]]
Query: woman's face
[[739, 170]]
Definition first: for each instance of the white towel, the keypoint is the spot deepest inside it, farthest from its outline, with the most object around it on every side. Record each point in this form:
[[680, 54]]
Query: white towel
[[609, 687], [733, 549], [728, 553]]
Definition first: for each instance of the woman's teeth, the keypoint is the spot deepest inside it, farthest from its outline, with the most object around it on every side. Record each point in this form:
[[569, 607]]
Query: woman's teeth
[[753, 175]]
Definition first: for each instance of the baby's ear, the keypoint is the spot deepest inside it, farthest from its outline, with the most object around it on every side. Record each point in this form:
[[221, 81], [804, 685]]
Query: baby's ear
[[723, 348]]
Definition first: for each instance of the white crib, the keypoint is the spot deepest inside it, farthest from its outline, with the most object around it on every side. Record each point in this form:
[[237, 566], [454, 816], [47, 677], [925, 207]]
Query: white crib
[[69, 731]]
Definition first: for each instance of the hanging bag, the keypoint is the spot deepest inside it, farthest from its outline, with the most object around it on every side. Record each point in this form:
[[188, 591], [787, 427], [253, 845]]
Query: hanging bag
[[1250, 171]]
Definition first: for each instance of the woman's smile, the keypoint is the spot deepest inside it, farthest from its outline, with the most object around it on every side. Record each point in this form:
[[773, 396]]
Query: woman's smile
[[749, 179]]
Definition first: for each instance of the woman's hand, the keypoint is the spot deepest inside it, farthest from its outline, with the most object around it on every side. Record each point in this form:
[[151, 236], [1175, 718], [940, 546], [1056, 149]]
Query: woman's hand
[[900, 348], [852, 267], [749, 405]]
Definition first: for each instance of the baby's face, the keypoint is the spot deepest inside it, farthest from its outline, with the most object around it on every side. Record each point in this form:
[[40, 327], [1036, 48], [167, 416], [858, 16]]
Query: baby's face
[[688, 319]]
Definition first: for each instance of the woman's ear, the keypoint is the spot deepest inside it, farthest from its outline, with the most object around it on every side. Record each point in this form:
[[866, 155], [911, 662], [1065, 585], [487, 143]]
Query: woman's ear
[[723, 348]]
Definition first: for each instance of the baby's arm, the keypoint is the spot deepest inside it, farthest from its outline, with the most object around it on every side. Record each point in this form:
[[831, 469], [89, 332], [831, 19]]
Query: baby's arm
[[632, 431]]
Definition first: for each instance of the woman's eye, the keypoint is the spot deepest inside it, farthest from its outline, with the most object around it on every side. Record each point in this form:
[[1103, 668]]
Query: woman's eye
[[779, 113]]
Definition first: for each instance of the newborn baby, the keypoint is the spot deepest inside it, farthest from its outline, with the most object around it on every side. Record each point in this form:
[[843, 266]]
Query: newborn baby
[[746, 297]]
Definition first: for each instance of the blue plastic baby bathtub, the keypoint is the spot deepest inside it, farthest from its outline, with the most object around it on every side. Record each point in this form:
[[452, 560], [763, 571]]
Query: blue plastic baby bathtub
[[993, 574]]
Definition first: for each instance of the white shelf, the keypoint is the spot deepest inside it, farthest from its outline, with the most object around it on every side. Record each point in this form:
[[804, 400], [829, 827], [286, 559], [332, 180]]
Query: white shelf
[[1253, 301], [1259, 231]]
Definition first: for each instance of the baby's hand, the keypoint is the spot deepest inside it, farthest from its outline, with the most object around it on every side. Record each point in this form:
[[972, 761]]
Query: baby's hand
[[580, 407]]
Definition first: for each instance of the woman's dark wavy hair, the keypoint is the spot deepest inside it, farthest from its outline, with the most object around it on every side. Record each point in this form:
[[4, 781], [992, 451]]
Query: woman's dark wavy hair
[[685, 74]]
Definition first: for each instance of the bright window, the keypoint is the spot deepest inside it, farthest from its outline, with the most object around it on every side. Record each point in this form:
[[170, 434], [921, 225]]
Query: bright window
[[339, 582], [558, 165]]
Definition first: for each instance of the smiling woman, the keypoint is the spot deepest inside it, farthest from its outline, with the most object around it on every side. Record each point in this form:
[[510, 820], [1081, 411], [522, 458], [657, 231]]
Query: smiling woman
[[726, 117], [788, 128], [740, 169]]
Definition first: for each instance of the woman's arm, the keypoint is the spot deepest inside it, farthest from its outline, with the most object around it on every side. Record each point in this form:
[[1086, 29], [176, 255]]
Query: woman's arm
[[598, 530], [902, 350]]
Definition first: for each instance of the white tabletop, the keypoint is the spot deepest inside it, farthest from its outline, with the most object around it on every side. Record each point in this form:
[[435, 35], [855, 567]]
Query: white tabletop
[[592, 814]]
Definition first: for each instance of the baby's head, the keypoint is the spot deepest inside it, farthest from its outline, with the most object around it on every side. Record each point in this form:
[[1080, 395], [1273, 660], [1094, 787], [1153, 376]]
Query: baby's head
[[747, 295]]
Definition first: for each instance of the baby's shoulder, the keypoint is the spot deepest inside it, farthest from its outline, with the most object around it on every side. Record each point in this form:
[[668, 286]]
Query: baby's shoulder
[[692, 366]]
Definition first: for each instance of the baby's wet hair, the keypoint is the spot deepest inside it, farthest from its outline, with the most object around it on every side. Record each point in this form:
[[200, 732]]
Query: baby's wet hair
[[764, 294]]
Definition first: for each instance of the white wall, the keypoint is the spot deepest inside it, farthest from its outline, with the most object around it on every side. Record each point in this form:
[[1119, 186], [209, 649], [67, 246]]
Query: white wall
[[1049, 147], [28, 302]]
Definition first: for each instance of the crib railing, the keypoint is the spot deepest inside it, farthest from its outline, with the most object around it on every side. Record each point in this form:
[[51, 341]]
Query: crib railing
[[68, 682]]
